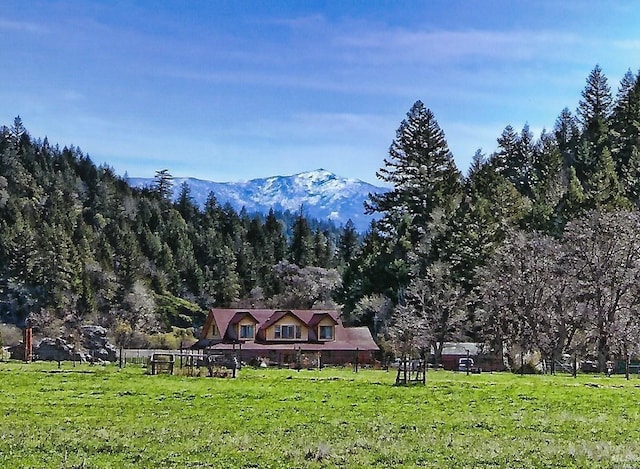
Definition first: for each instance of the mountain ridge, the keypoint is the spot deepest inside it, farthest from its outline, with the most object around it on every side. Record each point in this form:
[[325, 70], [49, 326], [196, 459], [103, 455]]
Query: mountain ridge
[[321, 194]]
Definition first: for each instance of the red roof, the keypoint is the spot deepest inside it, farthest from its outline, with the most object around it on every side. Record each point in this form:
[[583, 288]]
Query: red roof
[[317, 317], [276, 316], [346, 338]]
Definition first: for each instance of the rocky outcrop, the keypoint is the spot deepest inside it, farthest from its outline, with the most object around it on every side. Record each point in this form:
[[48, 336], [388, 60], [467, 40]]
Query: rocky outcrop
[[58, 350], [95, 342], [94, 346]]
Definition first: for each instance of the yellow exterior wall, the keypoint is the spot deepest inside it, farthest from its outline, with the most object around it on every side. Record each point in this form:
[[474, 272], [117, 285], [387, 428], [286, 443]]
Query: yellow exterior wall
[[213, 332], [288, 321], [246, 322], [326, 322]]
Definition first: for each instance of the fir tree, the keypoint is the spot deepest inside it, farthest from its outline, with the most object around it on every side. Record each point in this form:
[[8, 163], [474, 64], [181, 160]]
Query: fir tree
[[163, 183], [302, 242], [566, 134], [422, 172], [595, 106], [348, 244], [594, 110], [505, 160], [625, 139], [604, 190], [185, 204], [573, 202]]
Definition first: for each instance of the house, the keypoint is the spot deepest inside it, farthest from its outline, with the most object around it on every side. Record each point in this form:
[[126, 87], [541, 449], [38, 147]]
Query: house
[[286, 336]]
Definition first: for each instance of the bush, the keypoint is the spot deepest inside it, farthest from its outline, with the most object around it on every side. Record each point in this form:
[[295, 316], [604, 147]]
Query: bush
[[175, 311], [10, 335], [171, 340]]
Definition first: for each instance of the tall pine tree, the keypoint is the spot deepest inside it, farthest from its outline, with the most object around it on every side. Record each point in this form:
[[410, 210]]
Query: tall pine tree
[[423, 175]]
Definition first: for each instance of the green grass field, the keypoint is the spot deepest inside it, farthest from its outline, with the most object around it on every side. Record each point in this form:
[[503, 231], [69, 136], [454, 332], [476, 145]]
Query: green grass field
[[103, 417]]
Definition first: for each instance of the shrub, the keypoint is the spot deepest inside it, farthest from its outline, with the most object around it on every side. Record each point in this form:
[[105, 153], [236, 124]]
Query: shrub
[[10, 335]]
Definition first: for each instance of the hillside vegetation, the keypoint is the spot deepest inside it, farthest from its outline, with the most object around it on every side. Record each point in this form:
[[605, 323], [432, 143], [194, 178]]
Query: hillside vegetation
[[79, 245]]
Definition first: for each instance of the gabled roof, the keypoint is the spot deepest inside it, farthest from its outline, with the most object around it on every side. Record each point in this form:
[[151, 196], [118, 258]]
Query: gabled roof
[[241, 315], [359, 337], [317, 317], [277, 316], [210, 321], [224, 317]]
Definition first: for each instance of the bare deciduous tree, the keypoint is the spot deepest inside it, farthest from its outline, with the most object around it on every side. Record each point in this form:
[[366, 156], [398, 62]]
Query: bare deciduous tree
[[303, 287], [581, 294], [517, 287], [603, 252], [439, 303]]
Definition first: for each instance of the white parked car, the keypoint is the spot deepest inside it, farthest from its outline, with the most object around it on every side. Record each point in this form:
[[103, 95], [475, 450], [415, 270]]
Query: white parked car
[[466, 364]]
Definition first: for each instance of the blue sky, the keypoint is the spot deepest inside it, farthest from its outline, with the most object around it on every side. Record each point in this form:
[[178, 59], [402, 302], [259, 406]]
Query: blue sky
[[235, 90]]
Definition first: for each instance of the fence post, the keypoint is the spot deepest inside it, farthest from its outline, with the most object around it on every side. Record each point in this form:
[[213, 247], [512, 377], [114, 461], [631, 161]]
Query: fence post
[[405, 360], [27, 340], [424, 367], [626, 367]]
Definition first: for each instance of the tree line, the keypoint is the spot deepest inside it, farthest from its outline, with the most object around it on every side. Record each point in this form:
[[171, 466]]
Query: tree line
[[533, 249]]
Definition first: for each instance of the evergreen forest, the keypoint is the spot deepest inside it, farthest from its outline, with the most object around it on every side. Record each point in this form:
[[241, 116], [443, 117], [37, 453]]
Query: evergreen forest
[[535, 249]]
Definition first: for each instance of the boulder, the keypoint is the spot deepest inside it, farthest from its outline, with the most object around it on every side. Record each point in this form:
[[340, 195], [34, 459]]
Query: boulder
[[94, 340], [17, 351], [94, 347], [57, 350]]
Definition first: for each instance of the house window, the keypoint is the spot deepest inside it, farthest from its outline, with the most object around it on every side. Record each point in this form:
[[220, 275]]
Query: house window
[[246, 331], [288, 331], [326, 333]]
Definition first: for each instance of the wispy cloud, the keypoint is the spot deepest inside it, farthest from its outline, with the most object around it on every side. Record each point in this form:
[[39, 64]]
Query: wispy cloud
[[455, 46], [364, 58], [298, 22], [315, 126], [21, 26], [629, 45], [247, 89]]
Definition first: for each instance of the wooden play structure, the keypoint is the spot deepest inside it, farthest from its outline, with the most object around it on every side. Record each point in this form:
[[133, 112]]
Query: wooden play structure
[[162, 363], [411, 371]]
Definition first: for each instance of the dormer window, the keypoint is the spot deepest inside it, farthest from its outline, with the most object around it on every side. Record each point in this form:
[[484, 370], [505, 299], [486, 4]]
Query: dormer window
[[325, 332], [247, 331], [287, 331]]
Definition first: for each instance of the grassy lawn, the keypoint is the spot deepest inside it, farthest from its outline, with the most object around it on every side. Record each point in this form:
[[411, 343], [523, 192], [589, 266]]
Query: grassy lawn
[[102, 417]]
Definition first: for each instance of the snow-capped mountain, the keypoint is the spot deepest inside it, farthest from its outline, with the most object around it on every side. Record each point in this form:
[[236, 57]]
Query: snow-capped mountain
[[322, 194]]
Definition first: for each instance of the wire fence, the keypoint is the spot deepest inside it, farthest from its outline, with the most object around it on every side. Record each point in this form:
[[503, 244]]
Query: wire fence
[[143, 356]]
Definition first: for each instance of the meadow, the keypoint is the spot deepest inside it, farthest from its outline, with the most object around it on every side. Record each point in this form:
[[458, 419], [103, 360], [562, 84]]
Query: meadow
[[104, 417]]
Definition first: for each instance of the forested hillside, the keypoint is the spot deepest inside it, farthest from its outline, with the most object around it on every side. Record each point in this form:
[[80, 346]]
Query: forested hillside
[[534, 249], [79, 245]]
